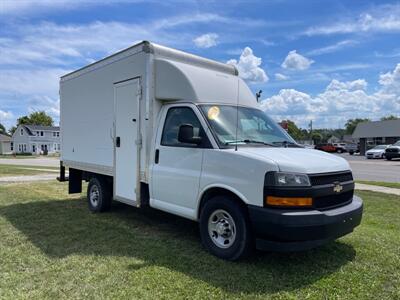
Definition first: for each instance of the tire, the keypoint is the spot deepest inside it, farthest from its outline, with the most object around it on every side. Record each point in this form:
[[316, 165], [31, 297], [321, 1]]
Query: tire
[[339, 151], [351, 152], [388, 158], [99, 194], [216, 213]]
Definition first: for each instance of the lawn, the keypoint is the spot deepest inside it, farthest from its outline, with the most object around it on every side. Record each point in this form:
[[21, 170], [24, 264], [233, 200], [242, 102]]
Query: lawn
[[52, 247], [395, 185], [14, 170]]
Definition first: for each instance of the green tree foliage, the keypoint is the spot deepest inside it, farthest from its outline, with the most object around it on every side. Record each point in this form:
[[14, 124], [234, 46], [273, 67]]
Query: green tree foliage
[[351, 124], [2, 129], [294, 131], [12, 130], [36, 118], [391, 117]]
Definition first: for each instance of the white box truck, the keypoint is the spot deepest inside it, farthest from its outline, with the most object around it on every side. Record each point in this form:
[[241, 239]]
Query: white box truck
[[154, 126]]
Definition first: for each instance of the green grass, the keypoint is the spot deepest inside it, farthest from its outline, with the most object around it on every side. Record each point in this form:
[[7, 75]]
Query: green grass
[[395, 185], [14, 170], [52, 247]]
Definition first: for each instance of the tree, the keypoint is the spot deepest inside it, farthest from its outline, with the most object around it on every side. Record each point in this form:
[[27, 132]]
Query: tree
[[12, 130], [351, 124], [390, 117], [36, 118], [317, 137], [2, 129], [293, 130]]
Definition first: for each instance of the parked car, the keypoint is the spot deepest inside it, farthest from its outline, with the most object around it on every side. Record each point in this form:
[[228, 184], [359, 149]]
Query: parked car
[[352, 148], [340, 147], [393, 151], [376, 152], [155, 140], [326, 147]]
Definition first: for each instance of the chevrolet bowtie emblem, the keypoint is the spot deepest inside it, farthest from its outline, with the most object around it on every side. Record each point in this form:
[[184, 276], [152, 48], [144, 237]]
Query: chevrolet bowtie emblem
[[337, 187]]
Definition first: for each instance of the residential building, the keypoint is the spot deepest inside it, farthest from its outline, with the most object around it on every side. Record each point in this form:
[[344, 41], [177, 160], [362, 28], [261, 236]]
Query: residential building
[[36, 139], [377, 133], [5, 144]]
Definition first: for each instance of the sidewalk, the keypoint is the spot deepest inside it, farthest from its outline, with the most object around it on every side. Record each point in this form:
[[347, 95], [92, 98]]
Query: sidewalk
[[379, 189], [28, 178]]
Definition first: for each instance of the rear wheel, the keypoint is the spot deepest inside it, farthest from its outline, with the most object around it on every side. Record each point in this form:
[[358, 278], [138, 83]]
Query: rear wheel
[[99, 194], [225, 228], [388, 158]]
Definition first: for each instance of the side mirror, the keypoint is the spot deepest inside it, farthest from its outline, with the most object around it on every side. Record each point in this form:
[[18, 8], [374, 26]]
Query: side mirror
[[186, 135]]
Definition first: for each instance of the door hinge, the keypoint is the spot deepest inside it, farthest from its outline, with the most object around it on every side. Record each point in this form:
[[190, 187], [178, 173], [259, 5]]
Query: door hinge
[[139, 92], [138, 142]]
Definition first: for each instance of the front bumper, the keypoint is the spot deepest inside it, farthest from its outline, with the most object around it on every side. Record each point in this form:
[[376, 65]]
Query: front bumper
[[374, 155], [295, 230]]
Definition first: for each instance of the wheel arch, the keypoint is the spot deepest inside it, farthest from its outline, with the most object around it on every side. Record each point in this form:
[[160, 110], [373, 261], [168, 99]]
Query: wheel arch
[[214, 190]]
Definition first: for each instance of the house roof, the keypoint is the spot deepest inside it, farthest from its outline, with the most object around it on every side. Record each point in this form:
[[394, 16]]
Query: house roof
[[5, 138], [388, 128], [32, 128]]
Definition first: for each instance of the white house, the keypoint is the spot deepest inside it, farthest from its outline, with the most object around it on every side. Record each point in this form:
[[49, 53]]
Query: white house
[[5, 144], [36, 139]]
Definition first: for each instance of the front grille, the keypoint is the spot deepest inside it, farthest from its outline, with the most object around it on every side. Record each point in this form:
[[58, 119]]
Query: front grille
[[330, 201], [394, 150], [322, 179]]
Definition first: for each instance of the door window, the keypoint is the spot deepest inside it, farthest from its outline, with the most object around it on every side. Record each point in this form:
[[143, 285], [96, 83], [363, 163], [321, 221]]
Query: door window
[[176, 117]]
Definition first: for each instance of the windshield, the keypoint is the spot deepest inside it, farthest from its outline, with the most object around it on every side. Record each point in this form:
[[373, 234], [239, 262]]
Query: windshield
[[254, 126], [381, 147], [397, 143]]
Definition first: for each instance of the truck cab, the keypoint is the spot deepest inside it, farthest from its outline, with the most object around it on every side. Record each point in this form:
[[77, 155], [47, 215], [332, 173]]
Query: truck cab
[[185, 135]]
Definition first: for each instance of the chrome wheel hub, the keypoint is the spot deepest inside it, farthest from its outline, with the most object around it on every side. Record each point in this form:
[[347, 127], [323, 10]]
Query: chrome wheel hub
[[94, 195], [222, 228]]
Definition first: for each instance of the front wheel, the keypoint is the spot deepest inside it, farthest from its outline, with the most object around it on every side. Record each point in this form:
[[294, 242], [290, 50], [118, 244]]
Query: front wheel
[[225, 228]]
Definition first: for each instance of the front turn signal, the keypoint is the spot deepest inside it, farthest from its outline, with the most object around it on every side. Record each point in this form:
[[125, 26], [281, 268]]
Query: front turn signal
[[288, 201]]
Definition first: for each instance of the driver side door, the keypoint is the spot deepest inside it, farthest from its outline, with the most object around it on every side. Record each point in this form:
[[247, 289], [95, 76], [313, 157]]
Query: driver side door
[[177, 166]]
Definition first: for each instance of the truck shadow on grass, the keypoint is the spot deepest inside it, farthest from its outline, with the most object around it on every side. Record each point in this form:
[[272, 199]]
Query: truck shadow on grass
[[61, 228]]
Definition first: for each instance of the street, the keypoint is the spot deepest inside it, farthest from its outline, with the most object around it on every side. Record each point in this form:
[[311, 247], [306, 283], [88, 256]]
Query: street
[[373, 169], [38, 162]]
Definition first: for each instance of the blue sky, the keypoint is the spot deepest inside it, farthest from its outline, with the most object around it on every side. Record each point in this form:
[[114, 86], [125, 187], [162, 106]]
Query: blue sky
[[325, 61]]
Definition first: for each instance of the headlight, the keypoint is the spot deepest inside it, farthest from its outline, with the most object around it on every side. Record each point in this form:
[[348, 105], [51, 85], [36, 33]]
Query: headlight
[[290, 179]]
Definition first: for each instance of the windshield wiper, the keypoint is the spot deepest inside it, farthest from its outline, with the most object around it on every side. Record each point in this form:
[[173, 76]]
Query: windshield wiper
[[247, 141], [287, 143]]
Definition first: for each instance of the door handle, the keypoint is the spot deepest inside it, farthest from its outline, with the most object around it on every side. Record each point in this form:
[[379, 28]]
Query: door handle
[[157, 156], [118, 142]]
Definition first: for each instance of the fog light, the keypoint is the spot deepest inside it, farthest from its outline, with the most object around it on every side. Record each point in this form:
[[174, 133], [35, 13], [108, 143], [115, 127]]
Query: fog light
[[288, 201]]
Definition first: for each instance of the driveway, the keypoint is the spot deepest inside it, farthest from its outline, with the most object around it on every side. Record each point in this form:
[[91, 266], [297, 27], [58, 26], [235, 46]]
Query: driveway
[[39, 162], [373, 169]]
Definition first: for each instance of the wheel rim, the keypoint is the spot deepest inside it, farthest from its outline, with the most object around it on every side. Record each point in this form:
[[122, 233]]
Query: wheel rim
[[222, 228], [94, 195]]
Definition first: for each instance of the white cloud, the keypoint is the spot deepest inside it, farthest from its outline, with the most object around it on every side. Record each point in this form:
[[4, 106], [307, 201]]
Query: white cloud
[[206, 40], [383, 19], [339, 102], [391, 79], [31, 82], [249, 66], [6, 118], [332, 48], [336, 85], [296, 61], [279, 76]]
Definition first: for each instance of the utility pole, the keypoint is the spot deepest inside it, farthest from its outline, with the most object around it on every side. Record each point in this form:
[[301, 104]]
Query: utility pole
[[310, 125]]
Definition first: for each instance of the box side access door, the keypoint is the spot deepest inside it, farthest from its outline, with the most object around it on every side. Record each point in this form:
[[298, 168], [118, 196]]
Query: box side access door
[[127, 141]]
